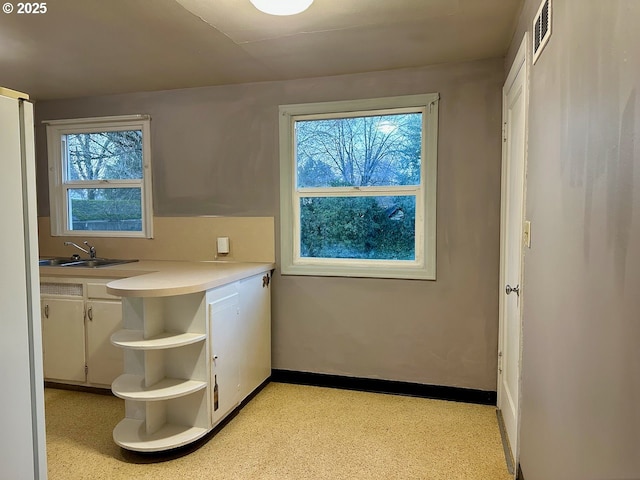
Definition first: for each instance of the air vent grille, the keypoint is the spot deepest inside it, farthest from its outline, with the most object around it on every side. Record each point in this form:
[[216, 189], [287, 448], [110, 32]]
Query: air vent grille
[[541, 28], [71, 289]]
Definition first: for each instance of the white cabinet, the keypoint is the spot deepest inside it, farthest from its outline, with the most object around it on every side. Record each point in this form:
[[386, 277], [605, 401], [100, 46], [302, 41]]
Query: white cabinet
[[255, 321], [78, 319], [240, 338], [104, 361], [103, 319], [240, 333], [177, 349], [224, 332], [63, 339]]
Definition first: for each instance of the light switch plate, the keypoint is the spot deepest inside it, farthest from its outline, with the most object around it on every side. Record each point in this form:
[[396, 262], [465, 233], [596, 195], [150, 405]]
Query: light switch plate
[[223, 245], [526, 234]]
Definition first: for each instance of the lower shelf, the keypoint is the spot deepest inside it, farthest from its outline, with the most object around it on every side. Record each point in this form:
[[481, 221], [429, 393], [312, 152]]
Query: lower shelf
[[134, 339], [130, 434], [131, 387]]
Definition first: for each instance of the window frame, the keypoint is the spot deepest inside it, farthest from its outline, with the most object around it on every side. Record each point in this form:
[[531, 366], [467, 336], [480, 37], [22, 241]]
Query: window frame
[[59, 188], [424, 266]]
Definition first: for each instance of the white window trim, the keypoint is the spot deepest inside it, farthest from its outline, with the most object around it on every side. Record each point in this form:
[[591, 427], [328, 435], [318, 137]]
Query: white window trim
[[57, 187], [424, 268]]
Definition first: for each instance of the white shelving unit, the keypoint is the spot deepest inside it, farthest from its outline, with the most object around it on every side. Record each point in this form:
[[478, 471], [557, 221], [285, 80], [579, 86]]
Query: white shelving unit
[[166, 380], [177, 348]]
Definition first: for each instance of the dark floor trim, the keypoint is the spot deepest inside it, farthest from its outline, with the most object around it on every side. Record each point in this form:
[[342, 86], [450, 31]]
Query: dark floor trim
[[520, 475], [78, 388], [439, 392], [505, 442]]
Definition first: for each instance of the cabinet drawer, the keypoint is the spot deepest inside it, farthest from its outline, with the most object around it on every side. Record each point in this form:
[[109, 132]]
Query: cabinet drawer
[[99, 290]]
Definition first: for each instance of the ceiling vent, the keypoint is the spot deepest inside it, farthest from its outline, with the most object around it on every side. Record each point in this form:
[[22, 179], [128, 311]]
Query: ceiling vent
[[541, 28]]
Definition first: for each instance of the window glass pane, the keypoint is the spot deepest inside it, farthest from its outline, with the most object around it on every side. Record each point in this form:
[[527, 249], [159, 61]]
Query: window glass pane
[[103, 155], [381, 228], [107, 209], [378, 150]]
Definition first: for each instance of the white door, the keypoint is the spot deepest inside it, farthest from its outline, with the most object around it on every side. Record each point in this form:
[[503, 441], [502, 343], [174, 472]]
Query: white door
[[513, 178]]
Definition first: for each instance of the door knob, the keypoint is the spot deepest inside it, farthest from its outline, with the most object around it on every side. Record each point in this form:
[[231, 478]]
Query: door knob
[[515, 289]]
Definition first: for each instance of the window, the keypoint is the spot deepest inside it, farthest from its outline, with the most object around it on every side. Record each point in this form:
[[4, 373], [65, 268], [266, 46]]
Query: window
[[100, 176], [358, 187]]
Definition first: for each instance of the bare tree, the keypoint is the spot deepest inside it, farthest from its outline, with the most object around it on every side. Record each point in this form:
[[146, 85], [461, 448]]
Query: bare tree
[[103, 156], [360, 151]]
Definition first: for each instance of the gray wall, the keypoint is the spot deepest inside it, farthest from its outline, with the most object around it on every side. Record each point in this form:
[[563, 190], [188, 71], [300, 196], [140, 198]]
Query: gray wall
[[581, 327], [215, 151]]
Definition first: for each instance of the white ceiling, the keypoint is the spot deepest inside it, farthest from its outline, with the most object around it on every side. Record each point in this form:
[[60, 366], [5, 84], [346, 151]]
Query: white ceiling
[[95, 47]]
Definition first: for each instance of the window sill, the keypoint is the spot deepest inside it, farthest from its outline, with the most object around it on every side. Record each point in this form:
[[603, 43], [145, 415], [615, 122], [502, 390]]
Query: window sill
[[407, 273]]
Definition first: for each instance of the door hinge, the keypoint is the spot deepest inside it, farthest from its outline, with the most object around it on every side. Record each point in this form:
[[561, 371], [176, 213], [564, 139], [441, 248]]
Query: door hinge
[[504, 132], [500, 362], [86, 370]]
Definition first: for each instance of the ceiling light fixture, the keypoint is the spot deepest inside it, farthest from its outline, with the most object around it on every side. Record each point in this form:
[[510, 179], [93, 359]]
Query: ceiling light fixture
[[282, 7]]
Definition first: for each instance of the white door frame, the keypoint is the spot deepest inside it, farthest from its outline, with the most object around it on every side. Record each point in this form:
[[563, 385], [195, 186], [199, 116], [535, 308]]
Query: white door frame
[[520, 65]]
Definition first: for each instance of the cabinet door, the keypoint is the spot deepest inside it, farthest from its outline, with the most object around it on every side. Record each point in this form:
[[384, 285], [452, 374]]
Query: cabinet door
[[225, 354], [255, 332], [63, 339], [104, 361]]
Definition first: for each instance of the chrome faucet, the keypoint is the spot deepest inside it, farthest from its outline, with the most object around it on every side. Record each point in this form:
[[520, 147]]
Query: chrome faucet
[[91, 251]]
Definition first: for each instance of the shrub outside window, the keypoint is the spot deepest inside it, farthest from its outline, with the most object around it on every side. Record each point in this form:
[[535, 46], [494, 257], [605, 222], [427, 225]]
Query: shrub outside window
[[100, 176], [358, 182]]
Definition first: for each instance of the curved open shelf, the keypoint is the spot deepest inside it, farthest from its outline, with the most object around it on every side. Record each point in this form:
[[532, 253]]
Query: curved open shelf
[[131, 387], [131, 434], [134, 339]]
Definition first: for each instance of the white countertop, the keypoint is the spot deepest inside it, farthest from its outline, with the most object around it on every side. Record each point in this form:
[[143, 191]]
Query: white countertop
[[160, 278]]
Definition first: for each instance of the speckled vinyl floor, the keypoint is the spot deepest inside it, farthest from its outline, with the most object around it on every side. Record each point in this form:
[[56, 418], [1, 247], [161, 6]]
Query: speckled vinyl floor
[[289, 432]]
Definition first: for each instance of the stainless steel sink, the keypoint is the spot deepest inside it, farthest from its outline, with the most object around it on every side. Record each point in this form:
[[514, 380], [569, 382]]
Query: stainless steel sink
[[98, 262], [56, 262], [86, 263]]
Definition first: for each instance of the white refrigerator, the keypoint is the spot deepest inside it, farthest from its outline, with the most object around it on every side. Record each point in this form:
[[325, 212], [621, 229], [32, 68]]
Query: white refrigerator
[[22, 432]]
